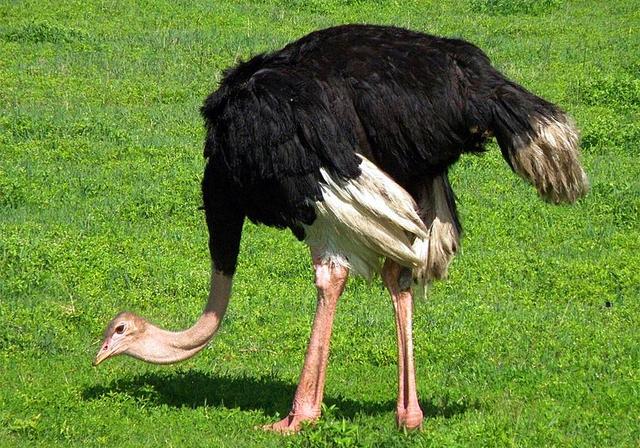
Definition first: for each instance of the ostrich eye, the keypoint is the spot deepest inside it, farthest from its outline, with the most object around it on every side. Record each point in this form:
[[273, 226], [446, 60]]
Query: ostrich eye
[[120, 329]]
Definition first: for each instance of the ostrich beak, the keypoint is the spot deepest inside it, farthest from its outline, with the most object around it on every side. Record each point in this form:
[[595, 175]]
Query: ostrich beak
[[105, 352]]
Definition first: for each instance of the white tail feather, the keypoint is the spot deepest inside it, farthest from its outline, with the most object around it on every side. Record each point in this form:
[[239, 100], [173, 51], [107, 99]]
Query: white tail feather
[[550, 160]]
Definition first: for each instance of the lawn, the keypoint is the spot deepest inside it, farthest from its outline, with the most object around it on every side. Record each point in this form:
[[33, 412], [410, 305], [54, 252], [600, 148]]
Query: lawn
[[534, 340]]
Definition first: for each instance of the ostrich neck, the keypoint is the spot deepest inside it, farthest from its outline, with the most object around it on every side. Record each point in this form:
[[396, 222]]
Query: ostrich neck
[[159, 346]]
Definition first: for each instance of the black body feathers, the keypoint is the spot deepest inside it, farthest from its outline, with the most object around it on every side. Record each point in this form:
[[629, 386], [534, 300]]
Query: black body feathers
[[409, 102]]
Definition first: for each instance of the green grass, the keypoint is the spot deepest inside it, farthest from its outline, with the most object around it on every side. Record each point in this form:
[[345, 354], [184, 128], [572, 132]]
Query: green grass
[[533, 340]]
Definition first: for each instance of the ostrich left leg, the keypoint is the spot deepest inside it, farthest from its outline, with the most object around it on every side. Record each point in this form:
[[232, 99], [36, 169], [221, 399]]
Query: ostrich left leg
[[330, 281], [398, 281]]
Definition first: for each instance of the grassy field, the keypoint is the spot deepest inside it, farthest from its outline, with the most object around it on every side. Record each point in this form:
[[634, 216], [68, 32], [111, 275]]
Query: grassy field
[[533, 341]]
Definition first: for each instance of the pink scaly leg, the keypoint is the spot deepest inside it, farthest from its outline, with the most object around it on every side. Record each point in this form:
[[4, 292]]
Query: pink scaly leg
[[398, 280], [330, 281]]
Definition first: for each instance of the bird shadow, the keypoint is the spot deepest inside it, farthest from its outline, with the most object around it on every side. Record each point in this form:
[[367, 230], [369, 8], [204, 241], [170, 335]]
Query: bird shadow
[[268, 394]]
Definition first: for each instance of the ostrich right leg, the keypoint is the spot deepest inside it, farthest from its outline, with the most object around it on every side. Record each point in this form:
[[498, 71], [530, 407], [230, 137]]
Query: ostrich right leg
[[398, 280], [330, 281]]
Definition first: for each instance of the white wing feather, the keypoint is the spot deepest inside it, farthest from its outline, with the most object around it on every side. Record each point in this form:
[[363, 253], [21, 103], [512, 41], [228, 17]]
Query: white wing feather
[[361, 220]]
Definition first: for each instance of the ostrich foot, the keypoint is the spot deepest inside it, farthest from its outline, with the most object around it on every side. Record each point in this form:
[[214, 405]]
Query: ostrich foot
[[290, 424], [409, 418]]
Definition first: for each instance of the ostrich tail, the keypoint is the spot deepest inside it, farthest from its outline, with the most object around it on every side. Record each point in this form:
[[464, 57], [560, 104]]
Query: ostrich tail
[[540, 142], [361, 220]]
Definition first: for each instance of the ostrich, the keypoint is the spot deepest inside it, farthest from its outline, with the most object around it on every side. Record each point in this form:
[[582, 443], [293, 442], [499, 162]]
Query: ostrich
[[345, 137]]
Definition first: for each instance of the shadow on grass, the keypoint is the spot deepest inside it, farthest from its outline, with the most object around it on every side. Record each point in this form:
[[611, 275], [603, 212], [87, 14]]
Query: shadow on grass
[[267, 394]]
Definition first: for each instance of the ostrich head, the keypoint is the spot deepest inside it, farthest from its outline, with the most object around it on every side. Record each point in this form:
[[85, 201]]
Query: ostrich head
[[133, 335], [124, 334]]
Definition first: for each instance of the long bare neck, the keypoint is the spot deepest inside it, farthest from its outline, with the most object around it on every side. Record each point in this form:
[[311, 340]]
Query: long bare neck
[[159, 346]]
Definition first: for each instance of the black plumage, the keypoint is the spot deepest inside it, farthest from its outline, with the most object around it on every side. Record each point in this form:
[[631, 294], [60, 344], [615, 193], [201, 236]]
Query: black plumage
[[410, 102]]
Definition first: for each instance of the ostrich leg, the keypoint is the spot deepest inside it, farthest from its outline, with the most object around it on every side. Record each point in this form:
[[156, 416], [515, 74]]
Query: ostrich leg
[[398, 281], [330, 280]]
